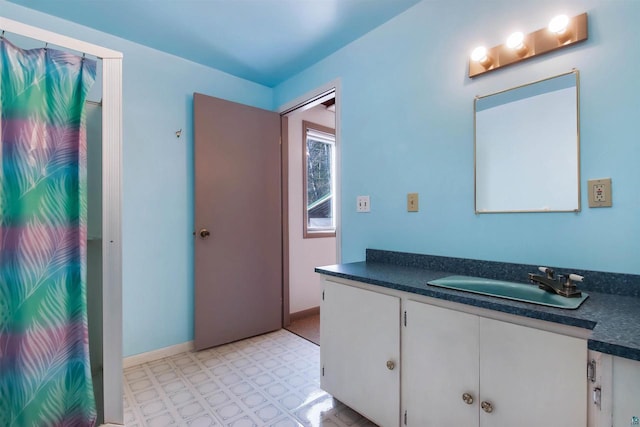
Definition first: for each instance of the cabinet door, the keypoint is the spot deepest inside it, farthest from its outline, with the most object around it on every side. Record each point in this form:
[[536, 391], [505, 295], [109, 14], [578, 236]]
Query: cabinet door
[[626, 391], [440, 363], [531, 378], [359, 334]]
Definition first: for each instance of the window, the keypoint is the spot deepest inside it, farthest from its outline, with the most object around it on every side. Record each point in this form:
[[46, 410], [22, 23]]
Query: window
[[319, 180]]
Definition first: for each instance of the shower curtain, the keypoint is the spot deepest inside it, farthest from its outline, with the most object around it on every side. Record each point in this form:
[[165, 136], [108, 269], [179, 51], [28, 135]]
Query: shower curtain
[[45, 377]]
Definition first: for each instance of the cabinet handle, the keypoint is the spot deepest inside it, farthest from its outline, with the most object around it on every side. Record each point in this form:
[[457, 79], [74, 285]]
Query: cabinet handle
[[467, 398], [390, 365], [487, 407]]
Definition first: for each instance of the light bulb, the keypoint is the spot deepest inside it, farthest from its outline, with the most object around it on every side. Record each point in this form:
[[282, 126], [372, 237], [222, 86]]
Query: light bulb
[[515, 40], [479, 54], [559, 24]]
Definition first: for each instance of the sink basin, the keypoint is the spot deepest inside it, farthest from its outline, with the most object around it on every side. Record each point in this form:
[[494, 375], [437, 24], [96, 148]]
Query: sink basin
[[509, 290]]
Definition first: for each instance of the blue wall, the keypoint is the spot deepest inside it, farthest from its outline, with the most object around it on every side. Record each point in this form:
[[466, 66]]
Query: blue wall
[[157, 178], [407, 126]]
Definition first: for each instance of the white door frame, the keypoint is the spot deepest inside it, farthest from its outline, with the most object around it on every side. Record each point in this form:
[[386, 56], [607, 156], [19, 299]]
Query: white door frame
[[298, 105], [111, 205], [300, 102]]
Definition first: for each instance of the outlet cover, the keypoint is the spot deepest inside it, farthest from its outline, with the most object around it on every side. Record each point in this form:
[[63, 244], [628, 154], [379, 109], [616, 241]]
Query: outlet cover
[[363, 204], [599, 193], [412, 202]]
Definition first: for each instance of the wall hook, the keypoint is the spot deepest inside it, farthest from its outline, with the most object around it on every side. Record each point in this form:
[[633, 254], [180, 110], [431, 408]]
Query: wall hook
[[178, 133]]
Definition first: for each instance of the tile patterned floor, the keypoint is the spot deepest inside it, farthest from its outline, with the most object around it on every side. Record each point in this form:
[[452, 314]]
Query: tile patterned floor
[[269, 380]]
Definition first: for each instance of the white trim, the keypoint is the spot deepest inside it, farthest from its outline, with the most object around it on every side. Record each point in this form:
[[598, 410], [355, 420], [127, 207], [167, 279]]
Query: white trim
[[19, 28], [112, 214], [158, 354], [338, 193], [112, 239], [320, 136], [289, 107], [303, 100]]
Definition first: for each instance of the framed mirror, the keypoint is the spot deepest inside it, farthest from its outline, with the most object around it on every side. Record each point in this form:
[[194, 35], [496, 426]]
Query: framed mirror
[[527, 147]]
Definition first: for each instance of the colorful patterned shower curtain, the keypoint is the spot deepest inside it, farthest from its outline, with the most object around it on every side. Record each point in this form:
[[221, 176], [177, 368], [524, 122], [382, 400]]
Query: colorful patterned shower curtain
[[45, 377]]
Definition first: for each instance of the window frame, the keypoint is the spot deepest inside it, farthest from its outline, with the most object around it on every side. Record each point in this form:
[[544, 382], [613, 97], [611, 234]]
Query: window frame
[[306, 232]]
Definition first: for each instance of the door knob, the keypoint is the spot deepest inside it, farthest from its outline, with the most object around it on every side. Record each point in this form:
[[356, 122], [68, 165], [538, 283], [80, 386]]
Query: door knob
[[487, 407], [390, 365], [204, 233], [467, 398]]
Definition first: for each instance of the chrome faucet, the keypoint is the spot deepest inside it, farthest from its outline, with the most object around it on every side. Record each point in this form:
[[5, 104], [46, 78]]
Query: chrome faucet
[[561, 285]]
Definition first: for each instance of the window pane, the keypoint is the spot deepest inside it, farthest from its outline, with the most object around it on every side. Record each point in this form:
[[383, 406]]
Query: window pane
[[319, 185]]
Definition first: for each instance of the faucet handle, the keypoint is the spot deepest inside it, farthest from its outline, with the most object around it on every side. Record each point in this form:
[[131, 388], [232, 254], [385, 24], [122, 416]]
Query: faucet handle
[[546, 270], [571, 279], [576, 278]]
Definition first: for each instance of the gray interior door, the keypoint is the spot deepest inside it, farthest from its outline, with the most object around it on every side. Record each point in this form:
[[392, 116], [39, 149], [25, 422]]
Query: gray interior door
[[238, 237]]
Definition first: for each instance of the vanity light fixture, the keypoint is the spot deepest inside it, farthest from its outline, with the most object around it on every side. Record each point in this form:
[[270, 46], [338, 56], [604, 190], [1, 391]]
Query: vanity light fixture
[[561, 32]]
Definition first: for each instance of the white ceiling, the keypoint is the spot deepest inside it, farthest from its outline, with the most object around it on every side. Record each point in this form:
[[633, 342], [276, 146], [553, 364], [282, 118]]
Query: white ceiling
[[265, 41]]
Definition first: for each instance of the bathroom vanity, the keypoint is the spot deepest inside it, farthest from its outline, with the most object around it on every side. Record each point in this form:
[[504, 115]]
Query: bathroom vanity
[[402, 352]]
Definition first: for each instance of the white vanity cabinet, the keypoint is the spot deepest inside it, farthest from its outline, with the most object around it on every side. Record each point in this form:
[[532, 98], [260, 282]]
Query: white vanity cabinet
[[463, 369], [360, 350], [439, 369]]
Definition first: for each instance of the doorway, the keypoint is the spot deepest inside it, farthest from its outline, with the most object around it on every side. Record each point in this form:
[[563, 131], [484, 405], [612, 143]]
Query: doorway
[[245, 148], [310, 159]]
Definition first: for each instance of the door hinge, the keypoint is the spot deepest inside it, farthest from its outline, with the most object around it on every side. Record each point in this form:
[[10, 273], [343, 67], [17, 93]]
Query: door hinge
[[591, 371], [322, 295], [405, 417], [323, 370], [405, 318], [597, 397]]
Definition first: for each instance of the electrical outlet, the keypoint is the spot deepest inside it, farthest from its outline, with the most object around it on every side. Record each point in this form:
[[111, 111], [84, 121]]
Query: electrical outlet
[[412, 202], [363, 204], [599, 193]]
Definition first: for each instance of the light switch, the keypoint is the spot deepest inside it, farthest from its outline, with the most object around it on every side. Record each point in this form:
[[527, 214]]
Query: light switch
[[363, 204], [412, 202], [599, 193]]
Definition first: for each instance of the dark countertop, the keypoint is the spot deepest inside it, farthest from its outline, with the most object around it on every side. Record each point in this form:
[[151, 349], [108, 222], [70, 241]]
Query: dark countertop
[[613, 319]]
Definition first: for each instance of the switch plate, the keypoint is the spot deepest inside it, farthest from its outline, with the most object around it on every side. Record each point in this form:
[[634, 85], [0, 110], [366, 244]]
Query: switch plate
[[363, 204], [412, 202], [599, 193]]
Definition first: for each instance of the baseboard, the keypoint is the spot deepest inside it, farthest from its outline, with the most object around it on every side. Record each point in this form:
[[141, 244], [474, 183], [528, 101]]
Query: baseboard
[[153, 355], [304, 313]]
